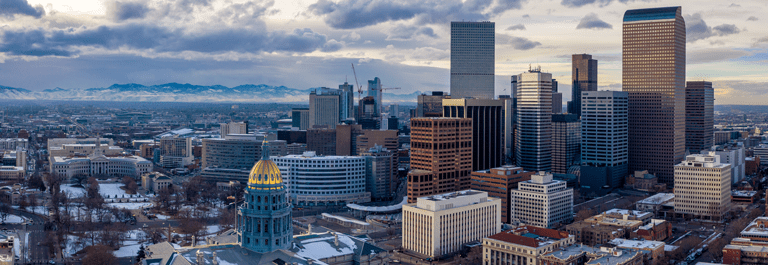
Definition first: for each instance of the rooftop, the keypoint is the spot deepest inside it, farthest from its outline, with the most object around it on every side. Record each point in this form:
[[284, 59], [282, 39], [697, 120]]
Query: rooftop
[[650, 14], [658, 198], [614, 257], [452, 195], [530, 236], [743, 193], [628, 212], [569, 251], [636, 244], [654, 222], [756, 228]]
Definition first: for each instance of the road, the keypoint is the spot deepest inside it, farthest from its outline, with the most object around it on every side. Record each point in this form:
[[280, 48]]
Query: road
[[35, 252]]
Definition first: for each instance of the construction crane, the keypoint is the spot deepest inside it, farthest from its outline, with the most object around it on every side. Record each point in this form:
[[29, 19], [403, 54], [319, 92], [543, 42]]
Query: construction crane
[[359, 88]]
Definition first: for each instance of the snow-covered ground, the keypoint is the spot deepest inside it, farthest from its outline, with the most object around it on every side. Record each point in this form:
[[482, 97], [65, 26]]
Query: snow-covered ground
[[13, 219], [112, 190], [212, 229], [162, 217], [127, 250], [72, 192], [130, 205]]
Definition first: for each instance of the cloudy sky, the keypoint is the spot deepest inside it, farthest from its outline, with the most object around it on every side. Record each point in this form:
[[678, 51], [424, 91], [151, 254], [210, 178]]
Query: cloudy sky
[[301, 44]]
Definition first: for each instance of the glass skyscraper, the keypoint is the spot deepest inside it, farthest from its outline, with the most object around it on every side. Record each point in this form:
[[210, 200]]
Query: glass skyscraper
[[699, 116], [584, 73], [533, 135], [566, 139], [472, 59], [604, 153], [654, 76]]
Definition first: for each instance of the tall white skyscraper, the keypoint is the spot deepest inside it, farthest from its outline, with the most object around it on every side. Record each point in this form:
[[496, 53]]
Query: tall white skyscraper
[[472, 59], [533, 135], [604, 139]]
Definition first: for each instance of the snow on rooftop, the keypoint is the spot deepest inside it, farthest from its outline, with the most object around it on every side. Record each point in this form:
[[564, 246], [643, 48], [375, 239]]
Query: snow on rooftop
[[659, 198], [636, 244]]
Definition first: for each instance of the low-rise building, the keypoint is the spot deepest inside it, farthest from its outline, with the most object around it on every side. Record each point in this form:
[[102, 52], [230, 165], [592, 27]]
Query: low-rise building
[[653, 251], [602, 228], [579, 254], [313, 180], [744, 196], [657, 230], [439, 225], [98, 164], [155, 181], [523, 245], [655, 204], [751, 165], [7, 253], [751, 247], [542, 201], [642, 180], [11, 173]]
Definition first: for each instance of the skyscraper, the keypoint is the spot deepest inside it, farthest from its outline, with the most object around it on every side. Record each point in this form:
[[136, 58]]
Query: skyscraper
[[374, 90], [441, 156], [430, 105], [472, 59], [566, 139], [584, 72], [347, 101], [557, 99], [654, 76], [324, 107], [487, 128], [604, 156], [699, 116], [533, 145]]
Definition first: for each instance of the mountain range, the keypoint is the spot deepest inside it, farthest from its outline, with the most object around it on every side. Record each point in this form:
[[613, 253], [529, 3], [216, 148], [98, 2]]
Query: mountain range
[[175, 92]]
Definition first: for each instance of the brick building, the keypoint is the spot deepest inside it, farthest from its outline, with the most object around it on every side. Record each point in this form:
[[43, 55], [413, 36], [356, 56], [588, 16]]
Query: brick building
[[498, 182]]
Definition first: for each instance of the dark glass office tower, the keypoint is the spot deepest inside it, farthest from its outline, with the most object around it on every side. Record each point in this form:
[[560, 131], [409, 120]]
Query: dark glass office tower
[[487, 128], [473, 48], [584, 74], [654, 76], [699, 116]]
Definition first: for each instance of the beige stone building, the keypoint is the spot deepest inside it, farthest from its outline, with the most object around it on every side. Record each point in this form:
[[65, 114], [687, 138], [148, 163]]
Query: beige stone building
[[523, 245], [440, 224], [542, 201], [702, 187], [155, 181]]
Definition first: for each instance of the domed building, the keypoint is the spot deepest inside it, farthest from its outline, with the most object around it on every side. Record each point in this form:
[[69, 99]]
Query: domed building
[[264, 220]]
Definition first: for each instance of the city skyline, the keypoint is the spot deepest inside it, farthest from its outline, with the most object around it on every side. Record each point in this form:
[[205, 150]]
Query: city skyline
[[234, 44]]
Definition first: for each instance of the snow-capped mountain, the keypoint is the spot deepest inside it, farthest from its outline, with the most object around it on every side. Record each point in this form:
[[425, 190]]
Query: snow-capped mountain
[[175, 92]]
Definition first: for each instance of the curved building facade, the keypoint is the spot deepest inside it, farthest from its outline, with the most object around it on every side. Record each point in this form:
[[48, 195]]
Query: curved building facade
[[264, 220], [314, 180]]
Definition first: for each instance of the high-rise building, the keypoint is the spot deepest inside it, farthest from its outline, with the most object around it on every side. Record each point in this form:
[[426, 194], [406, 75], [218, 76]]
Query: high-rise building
[[566, 140], [733, 155], [380, 172], [509, 129], [324, 107], [702, 187], [441, 156], [499, 182], [175, 151], [347, 101], [604, 149], [346, 139], [300, 118], [370, 138], [654, 76], [473, 49], [699, 116], [487, 128], [374, 90], [441, 224], [430, 105], [322, 141], [533, 146], [584, 73], [367, 115], [233, 128], [313, 180], [264, 222], [557, 99], [542, 201]]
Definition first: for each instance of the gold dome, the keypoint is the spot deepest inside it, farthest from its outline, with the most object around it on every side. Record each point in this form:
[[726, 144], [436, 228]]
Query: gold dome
[[266, 173]]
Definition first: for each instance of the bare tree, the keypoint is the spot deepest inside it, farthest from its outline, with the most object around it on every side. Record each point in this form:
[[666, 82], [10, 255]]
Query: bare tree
[[227, 218], [130, 185], [716, 248], [5, 210], [99, 255], [584, 214]]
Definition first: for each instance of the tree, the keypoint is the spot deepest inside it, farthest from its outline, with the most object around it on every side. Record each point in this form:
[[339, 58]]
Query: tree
[[54, 182], [130, 185], [584, 214], [227, 217], [99, 255], [716, 248], [36, 182], [5, 210], [141, 254], [191, 227]]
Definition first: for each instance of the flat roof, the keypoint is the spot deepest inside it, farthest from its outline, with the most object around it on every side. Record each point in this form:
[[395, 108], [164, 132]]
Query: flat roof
[[658, 198], [651, 13], [636, 244]]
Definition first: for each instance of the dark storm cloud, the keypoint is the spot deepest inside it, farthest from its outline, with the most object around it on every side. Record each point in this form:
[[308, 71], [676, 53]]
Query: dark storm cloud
[[39, 42], [405, 32], [591, 21], [10, 8], [697, 29], [516, 27], [349, 14], [120, 11], [579, 3]]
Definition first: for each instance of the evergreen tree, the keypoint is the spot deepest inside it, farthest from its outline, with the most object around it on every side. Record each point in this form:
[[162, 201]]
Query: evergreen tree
[[140, 255]]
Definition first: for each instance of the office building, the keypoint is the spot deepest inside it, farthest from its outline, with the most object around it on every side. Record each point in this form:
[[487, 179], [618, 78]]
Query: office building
[[523, 245], [99, 165], [473, 49], [441, 224], [533, 146], [733, 155], [347, 101], [12, 173], [487, 128], [702, 187], [751, 246], [430, 105], [81, 149], [375, 91], [557, 99], [324, 107], [322, 141], [584, 78], [295, 148], [441, 156], [367, 115], [370, 138], [231, 158], [264, 221], [509, 128], [566, 142], [13, 143], [604, 140], [175, 151], [542, 201], [313, 180], [653, 73], [292, 136], [761, 151], [722, 137], [499, 182], [300, 118], [346, 139], [233, 128], [578, 254], [699, 116], [380, 172]]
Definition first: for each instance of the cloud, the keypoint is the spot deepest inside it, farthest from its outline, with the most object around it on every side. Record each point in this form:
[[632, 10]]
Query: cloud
[[120, 11], [517, 43], [526, 16], [734, 5], [760, 41], [714, 55], [9, 8], [591, 21], [516, 27], [153, 38], [697, 29], [404, 32], [430, 54], [246, 14], [601, 3], [350, 14], [752, 18], [352, 36]]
